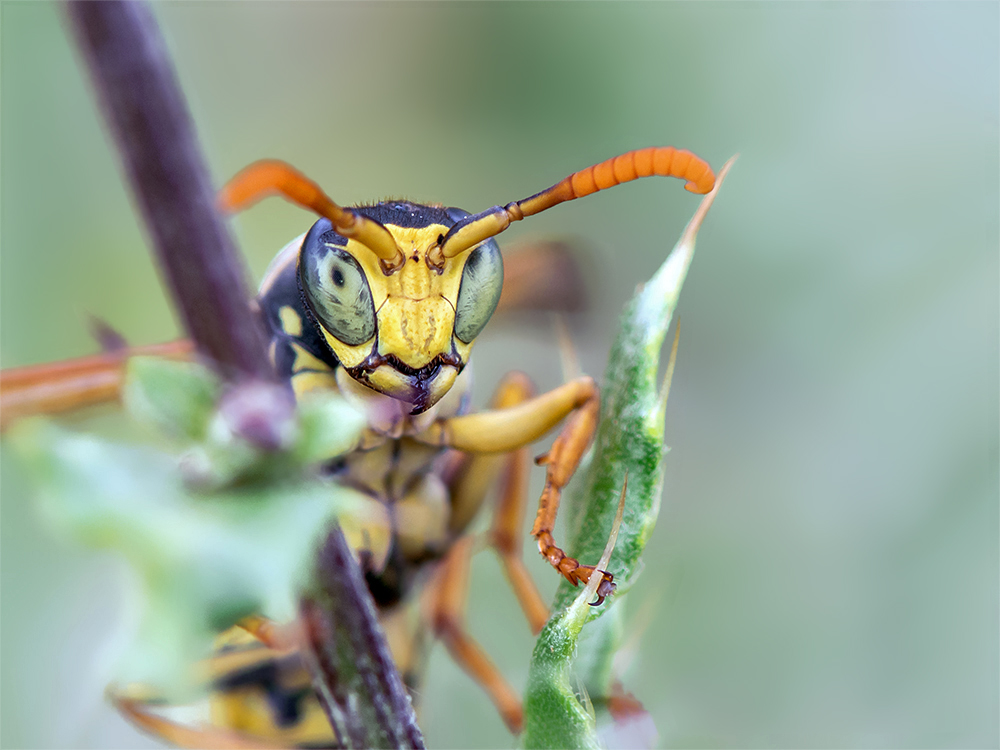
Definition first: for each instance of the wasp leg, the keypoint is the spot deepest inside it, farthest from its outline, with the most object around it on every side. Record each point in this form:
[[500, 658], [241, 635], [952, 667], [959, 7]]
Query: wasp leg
[[479, 471], [271, 634], [504, 430], [474, 480], [446, 603], [63, 386], [505, 537], [138, 713]]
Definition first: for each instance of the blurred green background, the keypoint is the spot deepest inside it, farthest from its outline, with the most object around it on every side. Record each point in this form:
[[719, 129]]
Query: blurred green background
[[825, 569]]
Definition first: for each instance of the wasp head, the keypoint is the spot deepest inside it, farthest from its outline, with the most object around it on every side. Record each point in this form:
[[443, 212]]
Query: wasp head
[[404, 329]]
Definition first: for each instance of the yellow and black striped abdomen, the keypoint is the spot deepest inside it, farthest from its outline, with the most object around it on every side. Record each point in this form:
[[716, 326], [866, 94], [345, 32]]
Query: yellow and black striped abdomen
[[265, 694]]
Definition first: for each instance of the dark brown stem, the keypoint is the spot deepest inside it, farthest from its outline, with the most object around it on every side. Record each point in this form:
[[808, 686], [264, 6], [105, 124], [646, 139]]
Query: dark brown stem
[[145, 109], [347, 653], [147, 114]]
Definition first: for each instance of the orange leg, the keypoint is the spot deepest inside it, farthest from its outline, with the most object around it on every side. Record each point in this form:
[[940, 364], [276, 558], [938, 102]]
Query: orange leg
[[63, 386], [505, 537], [271, 634], [561, 462], [473, 482], [446, 601]]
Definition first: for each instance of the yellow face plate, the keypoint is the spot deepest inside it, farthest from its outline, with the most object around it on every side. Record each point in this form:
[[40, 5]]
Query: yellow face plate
[[415, 322]]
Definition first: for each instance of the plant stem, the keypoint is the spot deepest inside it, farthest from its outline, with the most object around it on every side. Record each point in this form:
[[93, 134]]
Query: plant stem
[[356, 680], [364, 697], [145, 110]]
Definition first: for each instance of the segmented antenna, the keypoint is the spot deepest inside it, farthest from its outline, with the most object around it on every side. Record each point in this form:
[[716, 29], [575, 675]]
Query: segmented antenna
[[272, 177], [663, 161]]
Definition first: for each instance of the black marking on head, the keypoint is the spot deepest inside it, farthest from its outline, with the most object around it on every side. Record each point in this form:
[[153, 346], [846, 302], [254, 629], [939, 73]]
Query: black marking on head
[[404, 214], [284, 291], [420, 379], [398, 213]]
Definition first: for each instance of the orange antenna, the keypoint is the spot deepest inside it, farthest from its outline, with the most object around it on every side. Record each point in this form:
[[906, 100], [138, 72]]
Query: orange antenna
[[272, 177], [664, 161]]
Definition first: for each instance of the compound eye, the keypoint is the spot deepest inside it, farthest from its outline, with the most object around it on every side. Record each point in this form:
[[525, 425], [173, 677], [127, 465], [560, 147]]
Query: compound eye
[[482, 282], [338, 292]]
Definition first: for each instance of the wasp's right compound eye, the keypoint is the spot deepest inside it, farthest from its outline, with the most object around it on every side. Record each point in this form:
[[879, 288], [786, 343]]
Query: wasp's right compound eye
[[338, 292]]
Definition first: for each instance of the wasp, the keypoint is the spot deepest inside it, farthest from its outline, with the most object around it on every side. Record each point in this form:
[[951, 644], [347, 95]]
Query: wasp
[[383, 303]]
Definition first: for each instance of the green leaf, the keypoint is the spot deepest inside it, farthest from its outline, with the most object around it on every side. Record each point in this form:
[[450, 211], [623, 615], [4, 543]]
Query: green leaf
[[629, 441], [328, 427], [176, 397], [206, 553], [181, 400], [554, 717]]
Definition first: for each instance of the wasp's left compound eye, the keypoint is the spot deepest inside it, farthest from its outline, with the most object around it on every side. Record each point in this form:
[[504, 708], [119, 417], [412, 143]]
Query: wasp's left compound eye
[[482, 282], [338, 292]]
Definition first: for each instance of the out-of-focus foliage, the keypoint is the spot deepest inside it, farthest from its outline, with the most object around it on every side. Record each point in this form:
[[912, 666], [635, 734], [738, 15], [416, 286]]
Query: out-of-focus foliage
[[215, 530], [823, 571]]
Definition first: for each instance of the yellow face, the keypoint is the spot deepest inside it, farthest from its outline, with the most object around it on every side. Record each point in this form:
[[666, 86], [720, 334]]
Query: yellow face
[[408, 333]]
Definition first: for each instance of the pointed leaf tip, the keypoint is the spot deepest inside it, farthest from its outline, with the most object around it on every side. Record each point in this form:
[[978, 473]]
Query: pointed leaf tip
[[691, 230]]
